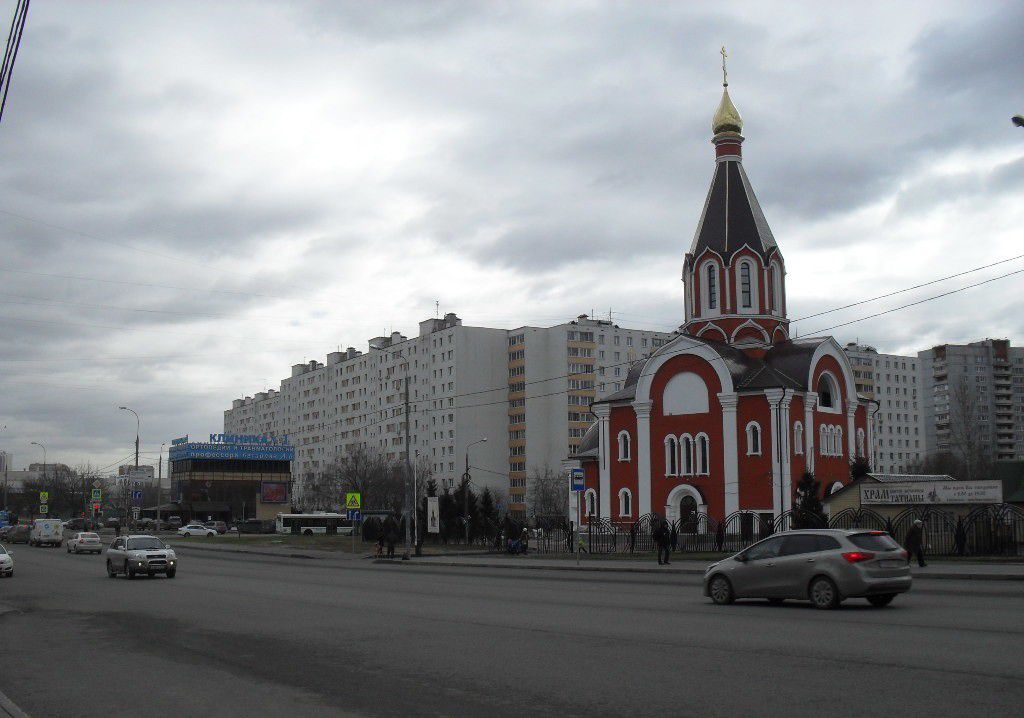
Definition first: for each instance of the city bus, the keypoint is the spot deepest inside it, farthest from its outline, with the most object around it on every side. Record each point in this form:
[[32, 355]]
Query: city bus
[[309, 524]]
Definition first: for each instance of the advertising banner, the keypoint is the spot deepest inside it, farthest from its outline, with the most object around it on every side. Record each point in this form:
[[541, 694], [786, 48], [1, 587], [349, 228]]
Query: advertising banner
[[932, 492], [274, 492], [433, 515], [259, 452]]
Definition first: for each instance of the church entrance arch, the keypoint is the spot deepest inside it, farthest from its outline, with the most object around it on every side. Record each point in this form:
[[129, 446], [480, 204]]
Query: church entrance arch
[[684, 502]]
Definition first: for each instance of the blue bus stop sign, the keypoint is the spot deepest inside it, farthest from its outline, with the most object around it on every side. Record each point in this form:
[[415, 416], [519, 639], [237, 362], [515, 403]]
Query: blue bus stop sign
[[354, 515], [576, 476]]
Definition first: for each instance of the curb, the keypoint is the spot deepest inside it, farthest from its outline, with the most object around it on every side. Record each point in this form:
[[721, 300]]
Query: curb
[[7, 707], [254, 552], [683, 571]]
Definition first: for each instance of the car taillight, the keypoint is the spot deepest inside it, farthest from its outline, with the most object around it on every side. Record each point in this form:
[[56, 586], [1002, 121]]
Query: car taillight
[[905, 554], [858, 556]]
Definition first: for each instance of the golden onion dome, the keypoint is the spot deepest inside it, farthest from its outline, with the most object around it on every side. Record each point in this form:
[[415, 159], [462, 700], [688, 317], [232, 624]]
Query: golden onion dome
[[727, 117]]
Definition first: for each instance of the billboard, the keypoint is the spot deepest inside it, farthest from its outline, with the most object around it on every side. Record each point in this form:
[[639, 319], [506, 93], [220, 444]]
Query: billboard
[[274, 492], [257, 452], [932, 492]]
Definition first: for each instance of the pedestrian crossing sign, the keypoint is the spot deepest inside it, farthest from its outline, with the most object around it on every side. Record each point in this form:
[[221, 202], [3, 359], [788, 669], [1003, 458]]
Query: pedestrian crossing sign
[[353, 500]]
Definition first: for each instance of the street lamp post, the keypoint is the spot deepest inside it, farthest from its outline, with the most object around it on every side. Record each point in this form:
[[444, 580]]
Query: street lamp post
[[36, 443], [127, 488], [465, 486], [160, 486]]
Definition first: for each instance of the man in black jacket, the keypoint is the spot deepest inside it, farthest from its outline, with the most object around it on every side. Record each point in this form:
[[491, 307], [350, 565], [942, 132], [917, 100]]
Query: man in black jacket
[[663, 539], [915, 542]]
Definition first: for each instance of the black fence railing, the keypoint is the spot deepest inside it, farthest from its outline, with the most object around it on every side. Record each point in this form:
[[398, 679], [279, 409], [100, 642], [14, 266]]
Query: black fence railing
[[988, 530]]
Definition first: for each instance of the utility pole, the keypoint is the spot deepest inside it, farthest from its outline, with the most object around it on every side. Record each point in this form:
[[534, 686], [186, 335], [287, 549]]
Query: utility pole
[[160, 487], [408, 472], [466, 479], [128, 483]]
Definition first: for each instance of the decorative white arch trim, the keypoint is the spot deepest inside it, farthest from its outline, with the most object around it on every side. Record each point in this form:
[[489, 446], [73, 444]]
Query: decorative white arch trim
[[713, 327], [798, 438], [681, 346], [590, 503], [829, 347], [676, 495], [753, 268], [835, 487], [838, 433], [623, 441], [706, 310], [755, 439], [685, 393], [780, 330], [834, 388], [752, 324]]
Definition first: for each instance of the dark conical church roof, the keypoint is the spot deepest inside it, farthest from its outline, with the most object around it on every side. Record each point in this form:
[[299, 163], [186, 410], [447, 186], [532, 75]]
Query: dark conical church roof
[[732, 216]]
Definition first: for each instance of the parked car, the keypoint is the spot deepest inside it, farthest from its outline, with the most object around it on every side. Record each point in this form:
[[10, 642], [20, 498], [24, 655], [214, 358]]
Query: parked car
[[46, 532], [255, 526], [218, 526], [174, 521], [84, 542], [6, 531], [824, 566], [112, 522], [78, 524], [132, 555], [20, 534], [6, 562], [196, 530]]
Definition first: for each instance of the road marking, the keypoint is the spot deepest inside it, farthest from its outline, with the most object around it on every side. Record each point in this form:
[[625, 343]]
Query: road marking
[[7, 707]]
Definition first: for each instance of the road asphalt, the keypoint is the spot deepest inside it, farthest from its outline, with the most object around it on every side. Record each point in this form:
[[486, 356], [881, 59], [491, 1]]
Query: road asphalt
[[260, 635]]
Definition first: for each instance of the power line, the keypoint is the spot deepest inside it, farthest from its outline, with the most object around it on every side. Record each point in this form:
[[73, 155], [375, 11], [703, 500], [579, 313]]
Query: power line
[[11, 51]]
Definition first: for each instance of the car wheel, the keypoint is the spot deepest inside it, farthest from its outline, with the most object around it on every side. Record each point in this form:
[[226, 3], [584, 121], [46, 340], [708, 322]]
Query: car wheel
[[721, 590], [69, 548], [823, 593], [883, 599], [129, 571], [110, 570], [170, 574], [212, 533], [186, 534]]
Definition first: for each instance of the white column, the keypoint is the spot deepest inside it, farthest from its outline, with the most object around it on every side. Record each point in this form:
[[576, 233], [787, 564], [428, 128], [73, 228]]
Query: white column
[[730, 450], [851, 441], [775, 397], [870, 450], [810, 401], [642, 456], [604, 475], [787, 452]]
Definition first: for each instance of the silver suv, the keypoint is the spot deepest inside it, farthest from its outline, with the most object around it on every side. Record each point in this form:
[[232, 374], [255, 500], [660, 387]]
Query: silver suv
[[132, 555], [824, 566]]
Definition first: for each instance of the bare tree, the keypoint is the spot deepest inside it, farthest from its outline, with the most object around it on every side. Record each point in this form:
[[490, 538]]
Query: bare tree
[[965, 432], [547, 493]]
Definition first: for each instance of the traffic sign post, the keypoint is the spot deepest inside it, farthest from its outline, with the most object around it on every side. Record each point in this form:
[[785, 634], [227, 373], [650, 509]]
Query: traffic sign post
[[44, 509], [353, 500], [355, 516], [97, 495], [579, 484], [44, 496]]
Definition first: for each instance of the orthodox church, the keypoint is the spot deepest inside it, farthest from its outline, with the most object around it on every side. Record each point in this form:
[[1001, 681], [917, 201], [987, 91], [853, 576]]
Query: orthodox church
[[728, 415]]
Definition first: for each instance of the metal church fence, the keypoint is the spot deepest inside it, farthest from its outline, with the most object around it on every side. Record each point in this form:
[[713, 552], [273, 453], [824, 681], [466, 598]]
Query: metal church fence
[[988, 530]]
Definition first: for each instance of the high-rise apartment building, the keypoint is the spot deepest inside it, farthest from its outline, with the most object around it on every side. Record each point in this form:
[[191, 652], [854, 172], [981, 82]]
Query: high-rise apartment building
[[527, 391], [981, 383], [893, 381]]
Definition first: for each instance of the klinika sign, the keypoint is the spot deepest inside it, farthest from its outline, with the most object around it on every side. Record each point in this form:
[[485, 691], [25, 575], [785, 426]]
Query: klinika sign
[[933, 492]]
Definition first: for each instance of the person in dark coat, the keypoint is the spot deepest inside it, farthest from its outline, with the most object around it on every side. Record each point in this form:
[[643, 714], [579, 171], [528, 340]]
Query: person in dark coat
[[391, 536], [914, 542], [663, 539]]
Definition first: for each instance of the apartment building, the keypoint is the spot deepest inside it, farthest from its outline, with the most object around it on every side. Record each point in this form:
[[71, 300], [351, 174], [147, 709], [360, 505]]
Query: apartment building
[[983, 381], [527, 391], [892, 380], [554, 375]]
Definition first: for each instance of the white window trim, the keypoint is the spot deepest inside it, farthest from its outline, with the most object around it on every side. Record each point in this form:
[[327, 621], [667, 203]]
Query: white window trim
[[590, 499], [775, 272], [671, 455], [755, 294], [751, 428], [625, 493], [687, 455], [625, 450], [798, 438], [697, 454], [705, 309], [860, 442], [837, 397]]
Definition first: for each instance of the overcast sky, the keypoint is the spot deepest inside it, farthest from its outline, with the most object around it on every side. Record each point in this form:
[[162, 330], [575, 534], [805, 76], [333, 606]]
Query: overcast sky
[[196, 195]]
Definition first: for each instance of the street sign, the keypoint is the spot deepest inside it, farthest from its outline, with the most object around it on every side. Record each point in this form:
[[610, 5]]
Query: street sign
[[577, 478], [97, 495], [353, 500], [97, 484], [135, 512], [433, 515], [44, 509], [355, 515], [136, 495], [44, 496]]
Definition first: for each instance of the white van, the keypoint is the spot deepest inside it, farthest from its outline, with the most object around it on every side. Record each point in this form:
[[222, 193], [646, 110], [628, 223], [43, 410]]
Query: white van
[[46, 532]]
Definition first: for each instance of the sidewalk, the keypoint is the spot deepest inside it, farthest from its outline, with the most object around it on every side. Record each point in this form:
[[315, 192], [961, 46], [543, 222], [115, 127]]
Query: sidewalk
[[939, 570]]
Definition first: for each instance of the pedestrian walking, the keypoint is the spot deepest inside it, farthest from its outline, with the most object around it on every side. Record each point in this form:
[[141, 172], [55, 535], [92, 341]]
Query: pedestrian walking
[[380, 544], [117, 529], [663, 539], [391, 536], [914, 542]]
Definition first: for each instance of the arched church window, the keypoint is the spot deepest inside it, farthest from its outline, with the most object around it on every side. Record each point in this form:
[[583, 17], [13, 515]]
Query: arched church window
[[746, 300], [712, 275], [590, 501], [703, 454], [753, 438], [671, 456], [798, 438], [686, 454], [625, 503], [623, 445], [776, 293], [860, 442]]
